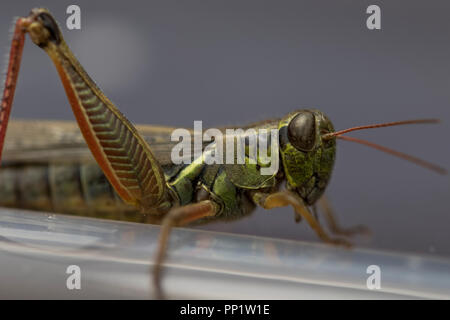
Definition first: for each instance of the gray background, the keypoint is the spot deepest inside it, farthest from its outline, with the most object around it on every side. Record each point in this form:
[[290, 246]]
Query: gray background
[[232, 62]]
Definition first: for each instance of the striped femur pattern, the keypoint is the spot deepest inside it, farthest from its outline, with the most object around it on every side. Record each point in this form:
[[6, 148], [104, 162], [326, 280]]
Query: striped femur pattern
[[127, 153]]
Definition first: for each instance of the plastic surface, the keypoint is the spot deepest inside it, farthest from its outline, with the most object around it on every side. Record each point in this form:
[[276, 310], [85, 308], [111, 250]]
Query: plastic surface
[[115, 260]]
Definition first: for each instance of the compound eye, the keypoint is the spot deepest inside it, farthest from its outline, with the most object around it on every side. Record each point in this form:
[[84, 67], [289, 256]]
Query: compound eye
[[302, 131], [50, 24]]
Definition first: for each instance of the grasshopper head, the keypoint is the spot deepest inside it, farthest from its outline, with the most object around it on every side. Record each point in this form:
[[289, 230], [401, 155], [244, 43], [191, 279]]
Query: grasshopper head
[[307, 158]]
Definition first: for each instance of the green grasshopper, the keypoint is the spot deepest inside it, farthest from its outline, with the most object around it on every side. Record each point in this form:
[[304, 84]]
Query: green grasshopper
[[165, 193]]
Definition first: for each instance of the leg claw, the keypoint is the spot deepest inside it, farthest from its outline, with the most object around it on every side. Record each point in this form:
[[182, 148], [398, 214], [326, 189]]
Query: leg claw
[[340, 242]]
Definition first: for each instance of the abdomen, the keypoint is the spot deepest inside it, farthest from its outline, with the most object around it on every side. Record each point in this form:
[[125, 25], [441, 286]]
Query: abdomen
[[69, 188]]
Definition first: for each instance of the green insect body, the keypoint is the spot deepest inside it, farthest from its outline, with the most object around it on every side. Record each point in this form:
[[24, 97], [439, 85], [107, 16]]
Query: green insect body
[[137, 176], [232, 185], [134, 167], [82, 189]]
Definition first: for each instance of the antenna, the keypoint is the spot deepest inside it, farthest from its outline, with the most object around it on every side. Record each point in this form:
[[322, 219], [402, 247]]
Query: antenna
[[419, 162], [378, 125]]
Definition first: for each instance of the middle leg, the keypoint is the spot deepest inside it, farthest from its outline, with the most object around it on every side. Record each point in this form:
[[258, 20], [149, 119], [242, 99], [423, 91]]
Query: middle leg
[[176, 217]]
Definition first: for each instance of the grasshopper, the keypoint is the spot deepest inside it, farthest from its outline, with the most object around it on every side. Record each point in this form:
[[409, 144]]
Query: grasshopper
[[133, 174]]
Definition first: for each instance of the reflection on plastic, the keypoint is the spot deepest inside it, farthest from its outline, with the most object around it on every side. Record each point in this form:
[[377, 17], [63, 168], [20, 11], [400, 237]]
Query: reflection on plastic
[[115, 260]]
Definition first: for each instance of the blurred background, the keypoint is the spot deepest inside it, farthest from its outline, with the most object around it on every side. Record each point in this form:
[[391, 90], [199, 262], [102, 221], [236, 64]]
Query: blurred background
[[234, 62]]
